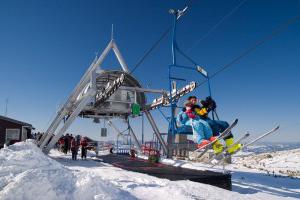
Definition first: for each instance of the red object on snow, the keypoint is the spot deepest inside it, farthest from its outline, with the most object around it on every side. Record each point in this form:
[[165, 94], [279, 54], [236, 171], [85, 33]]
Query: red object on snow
[[149, 149]]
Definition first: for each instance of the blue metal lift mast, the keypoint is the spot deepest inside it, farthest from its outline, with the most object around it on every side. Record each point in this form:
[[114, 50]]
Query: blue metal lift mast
[[175, 49]]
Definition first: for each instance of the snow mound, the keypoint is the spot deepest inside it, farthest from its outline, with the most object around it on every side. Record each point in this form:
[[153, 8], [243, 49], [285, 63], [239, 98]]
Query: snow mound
[[26, 173], [271, 147], [140, 186], [282, 162]]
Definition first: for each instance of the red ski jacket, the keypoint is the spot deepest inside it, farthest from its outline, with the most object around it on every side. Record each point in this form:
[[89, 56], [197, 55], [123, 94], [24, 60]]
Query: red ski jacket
[[83, 143]]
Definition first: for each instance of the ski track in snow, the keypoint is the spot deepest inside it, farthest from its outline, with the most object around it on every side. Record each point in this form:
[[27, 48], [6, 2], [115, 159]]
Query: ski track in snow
[[26, 173]]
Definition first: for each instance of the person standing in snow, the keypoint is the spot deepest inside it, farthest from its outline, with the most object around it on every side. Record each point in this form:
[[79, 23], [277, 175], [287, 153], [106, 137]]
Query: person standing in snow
[[74, 148], [83, 143], [78, 139], [61, 143], [70, 139], [66, 143]]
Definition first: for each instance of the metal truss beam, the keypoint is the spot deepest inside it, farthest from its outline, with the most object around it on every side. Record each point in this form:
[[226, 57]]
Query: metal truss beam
[[156, 131]]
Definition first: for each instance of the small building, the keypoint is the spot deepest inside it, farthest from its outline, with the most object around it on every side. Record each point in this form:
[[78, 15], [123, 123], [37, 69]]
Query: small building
[[12, 131]]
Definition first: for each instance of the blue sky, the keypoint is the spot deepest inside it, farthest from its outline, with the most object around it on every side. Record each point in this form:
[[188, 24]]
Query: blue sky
[[46, 46]]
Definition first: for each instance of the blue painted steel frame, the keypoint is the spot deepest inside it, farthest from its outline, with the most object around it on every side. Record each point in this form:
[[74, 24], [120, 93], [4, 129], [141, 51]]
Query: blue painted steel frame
[[175, 49]]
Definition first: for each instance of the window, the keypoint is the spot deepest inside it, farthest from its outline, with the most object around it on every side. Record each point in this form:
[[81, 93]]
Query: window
[[24, 133], [12, 134], [103, 132]]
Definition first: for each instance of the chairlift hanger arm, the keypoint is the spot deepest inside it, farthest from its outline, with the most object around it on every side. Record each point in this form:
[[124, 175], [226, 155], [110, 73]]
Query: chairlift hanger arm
[[175, 50], [163, 114], [175, 47]]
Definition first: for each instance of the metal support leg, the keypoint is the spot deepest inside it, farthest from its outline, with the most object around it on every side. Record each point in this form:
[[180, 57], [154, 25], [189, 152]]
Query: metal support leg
[[39, 142], [52, 128], [156, 131], [131, 133], [116, 129], [69, 121], [135, 139]]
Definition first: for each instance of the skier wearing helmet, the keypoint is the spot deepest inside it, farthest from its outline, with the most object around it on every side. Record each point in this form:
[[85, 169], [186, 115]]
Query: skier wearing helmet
[[217, 126], [202, 132]]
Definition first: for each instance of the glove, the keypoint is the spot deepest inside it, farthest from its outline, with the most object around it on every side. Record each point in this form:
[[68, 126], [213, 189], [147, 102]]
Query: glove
[[201, 112], [204, 103], [211, 104]]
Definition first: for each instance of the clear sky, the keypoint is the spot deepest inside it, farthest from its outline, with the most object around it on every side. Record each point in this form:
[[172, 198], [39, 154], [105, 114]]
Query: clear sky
[[46, 46]]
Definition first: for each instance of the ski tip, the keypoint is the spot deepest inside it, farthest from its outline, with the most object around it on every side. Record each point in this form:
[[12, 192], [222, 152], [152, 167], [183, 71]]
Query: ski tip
[[275, 129]]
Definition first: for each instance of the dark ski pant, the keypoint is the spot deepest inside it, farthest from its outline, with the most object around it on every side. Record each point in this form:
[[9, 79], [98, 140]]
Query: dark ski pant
[[83, 152], [66, 149], [74, 154], [218, 127]]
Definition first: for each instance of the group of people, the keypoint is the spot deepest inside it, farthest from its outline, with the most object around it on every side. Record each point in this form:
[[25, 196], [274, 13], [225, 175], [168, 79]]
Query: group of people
[[69, 143], [205, 129]]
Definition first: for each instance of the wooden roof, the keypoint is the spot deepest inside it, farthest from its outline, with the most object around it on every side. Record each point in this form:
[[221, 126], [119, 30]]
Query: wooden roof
[[16, 121]]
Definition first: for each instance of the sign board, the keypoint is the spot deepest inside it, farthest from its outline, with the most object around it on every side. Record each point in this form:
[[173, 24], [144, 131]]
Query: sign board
[[135, 109]]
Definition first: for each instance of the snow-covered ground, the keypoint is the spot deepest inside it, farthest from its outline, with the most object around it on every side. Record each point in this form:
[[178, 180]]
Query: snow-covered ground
[[286, 163], [271, 147], [248, 177], [26, 173]]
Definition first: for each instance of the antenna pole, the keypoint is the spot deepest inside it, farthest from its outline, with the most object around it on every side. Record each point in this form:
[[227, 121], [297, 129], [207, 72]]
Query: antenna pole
[[112, 31]]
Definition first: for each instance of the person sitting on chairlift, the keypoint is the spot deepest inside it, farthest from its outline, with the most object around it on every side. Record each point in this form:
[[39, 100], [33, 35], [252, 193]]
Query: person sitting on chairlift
[[217, 126], [202, 132]]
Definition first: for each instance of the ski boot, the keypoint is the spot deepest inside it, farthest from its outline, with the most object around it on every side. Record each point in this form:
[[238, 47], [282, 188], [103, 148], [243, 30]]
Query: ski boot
[[217, 146], [229, 142]]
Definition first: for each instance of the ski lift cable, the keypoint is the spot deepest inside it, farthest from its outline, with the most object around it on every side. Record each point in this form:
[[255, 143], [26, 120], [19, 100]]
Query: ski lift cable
[[274, 33], [217, 25], [156, 44], [165, 33]]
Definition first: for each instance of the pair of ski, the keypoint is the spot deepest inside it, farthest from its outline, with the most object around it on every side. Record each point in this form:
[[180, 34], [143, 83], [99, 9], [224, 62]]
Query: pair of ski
[[224, 153], [208, 146], [221, 157]]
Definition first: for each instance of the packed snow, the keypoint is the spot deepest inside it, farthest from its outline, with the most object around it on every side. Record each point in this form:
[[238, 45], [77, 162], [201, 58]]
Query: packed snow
[[283, 163], [27, 173]]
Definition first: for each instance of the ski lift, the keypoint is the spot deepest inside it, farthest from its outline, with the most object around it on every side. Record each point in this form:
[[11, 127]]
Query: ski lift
[[173, 128]]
